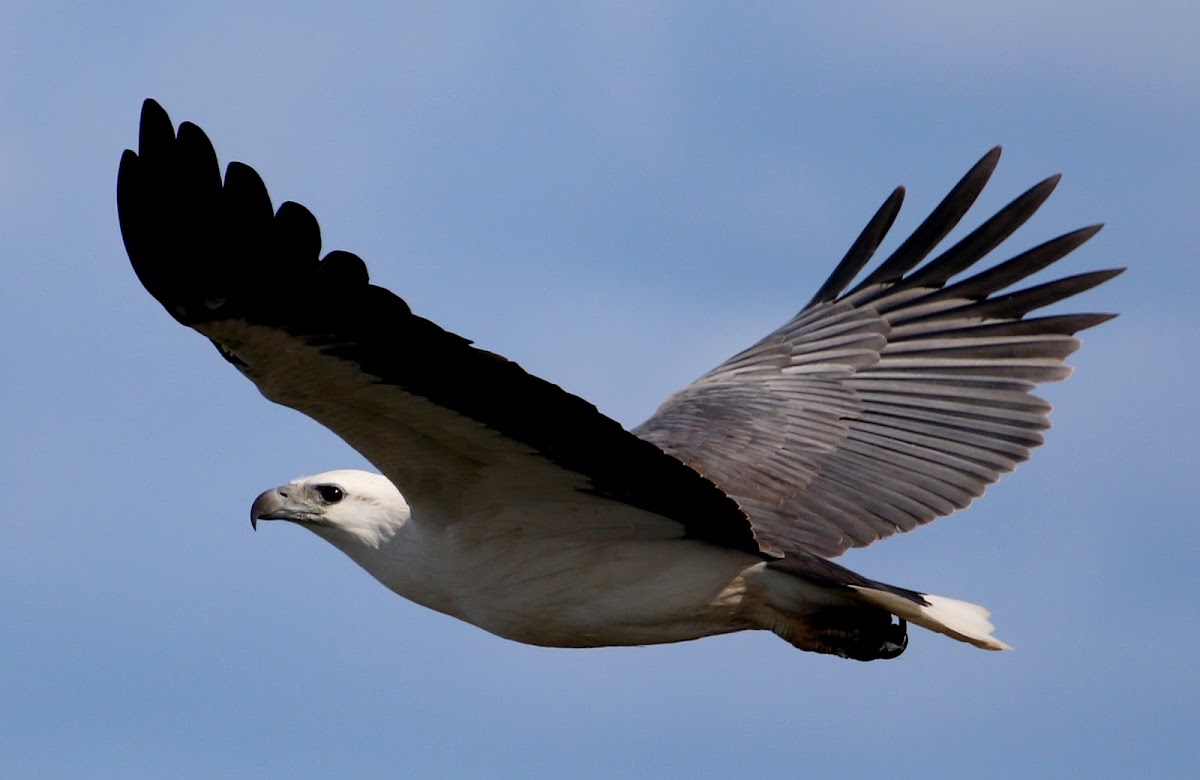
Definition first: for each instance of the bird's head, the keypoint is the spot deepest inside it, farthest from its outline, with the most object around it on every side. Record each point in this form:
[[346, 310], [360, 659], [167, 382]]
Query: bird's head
[[345, 507]]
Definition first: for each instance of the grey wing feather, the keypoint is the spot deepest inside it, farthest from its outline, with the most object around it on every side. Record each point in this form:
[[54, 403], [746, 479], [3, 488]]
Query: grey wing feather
[[880, 409]]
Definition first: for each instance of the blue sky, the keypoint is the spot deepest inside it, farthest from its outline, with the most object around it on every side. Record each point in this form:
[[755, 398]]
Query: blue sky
[[618, 196]]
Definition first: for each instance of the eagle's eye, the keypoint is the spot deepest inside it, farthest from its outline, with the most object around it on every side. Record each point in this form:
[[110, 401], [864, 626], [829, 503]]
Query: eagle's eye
[[330, 494]]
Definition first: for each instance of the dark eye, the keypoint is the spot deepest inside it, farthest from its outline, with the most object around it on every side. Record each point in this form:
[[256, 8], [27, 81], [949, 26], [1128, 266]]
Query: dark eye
[[330, 494]]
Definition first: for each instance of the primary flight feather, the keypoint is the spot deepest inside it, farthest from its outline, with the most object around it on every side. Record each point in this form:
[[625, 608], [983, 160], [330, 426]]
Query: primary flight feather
[[507, 502]]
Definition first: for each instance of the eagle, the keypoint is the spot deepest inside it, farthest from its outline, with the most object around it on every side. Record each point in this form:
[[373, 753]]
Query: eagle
[[507, 502]]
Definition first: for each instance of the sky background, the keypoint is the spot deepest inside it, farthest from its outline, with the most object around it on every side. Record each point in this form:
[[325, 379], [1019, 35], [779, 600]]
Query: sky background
[[618, 196]]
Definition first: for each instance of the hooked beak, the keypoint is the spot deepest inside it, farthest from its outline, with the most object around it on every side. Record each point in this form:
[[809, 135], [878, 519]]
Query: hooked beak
[[278, 504]]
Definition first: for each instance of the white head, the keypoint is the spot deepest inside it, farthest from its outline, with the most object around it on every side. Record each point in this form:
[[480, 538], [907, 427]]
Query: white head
[[347, 508]]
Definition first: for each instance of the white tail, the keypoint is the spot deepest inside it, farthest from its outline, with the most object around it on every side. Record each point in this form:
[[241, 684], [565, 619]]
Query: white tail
[[961, 620]]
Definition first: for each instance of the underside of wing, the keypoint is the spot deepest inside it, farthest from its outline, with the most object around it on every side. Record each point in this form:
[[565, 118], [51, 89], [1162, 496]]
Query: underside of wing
[[878, 409], [422, 404]]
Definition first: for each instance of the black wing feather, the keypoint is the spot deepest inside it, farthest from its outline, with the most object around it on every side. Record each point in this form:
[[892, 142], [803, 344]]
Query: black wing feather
[[220, 259]]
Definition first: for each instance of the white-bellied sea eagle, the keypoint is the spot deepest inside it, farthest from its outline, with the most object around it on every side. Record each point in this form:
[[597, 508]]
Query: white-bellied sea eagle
[[509, 503]]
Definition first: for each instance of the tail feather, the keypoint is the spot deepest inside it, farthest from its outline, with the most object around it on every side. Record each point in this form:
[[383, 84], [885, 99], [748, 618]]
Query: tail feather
[[821, 606], [960, 620]]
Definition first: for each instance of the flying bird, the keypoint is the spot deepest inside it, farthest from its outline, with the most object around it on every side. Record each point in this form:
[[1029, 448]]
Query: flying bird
[[507, 502]]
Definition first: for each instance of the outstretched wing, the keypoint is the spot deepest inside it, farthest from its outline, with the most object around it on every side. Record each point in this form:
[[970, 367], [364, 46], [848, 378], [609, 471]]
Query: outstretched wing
[[437, 416], [879, 409]]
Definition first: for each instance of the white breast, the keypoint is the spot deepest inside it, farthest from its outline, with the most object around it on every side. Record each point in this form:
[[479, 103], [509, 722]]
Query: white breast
[[572, 577]]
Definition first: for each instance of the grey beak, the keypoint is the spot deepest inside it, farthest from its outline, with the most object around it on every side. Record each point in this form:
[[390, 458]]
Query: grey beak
[[275, 505]]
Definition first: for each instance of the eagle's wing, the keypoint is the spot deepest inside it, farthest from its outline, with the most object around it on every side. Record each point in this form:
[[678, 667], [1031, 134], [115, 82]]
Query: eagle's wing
[[876, 410], [437, 416]]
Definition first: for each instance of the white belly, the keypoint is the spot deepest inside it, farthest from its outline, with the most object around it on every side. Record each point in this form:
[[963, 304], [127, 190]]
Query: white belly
[[570, 584]]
